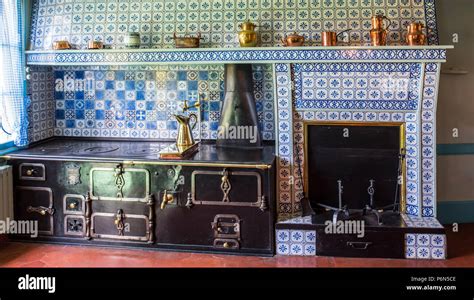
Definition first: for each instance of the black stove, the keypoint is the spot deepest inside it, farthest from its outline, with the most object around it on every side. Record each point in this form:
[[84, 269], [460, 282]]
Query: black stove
[[120, 150]]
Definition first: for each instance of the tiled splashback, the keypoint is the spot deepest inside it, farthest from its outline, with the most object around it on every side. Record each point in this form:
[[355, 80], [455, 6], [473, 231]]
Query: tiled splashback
[[41, 109], [139, 102], [217, 20]]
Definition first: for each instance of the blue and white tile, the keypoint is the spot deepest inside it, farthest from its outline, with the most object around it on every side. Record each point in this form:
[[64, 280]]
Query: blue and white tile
[[425, 246]]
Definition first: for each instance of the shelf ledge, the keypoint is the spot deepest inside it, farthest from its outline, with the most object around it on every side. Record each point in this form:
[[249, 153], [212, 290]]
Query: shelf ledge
[[261, 55]]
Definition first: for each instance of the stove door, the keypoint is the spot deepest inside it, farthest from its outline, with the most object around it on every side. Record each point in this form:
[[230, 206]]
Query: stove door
[[227, 187], [122, 220], [120, 183], [35, 204]]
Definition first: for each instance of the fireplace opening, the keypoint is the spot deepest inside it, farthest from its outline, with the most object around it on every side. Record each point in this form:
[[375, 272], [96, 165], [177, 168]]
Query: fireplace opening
[[344, 163]]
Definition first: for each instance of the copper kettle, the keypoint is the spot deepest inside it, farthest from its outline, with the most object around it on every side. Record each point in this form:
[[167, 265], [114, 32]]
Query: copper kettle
[[415, 35], [293, 40], [378, 34]]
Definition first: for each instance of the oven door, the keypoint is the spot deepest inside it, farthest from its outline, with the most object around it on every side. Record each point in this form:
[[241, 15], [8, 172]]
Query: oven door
[[35, 204], [227, 187], [122, 220]]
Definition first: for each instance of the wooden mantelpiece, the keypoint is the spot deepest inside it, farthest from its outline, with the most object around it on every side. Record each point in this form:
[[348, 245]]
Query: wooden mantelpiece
[[272, 55]]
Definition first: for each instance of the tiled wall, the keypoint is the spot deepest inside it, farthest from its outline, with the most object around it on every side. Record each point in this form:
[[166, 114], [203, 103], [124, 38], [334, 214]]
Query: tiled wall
[[217, 20], [139, 102], [41, 109], [117, 107]]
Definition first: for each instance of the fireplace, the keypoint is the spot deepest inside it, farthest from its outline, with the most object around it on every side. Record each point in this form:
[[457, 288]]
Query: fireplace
[[355, 157]]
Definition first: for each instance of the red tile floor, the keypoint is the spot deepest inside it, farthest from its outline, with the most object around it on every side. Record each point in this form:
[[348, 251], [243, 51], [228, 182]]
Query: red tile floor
[[13, 254]]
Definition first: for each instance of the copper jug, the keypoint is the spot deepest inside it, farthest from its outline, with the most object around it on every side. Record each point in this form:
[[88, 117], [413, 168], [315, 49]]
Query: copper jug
[[378, 34], [415, 35], [185, 130], [329, 38], [248, 35]]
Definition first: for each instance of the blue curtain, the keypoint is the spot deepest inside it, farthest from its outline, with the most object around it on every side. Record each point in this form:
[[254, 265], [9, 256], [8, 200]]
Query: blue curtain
[[13, 99]]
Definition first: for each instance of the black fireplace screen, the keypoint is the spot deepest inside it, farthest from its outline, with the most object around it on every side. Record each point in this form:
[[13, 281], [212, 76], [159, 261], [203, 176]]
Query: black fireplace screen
[[355, 155]]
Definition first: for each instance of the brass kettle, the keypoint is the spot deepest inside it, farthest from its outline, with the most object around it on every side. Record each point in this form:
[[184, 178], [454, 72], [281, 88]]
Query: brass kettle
[[378, 34], [185, 131], [415, 35], [247, 35]]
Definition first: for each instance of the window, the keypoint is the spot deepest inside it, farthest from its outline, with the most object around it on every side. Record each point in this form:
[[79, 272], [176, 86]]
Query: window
[[13, 100]]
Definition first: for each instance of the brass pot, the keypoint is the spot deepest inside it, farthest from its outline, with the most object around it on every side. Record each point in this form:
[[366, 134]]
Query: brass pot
[[415, 35], [293, 40], [248, 35], [329, 38], [187, 41], [95, 45], [61, 45]]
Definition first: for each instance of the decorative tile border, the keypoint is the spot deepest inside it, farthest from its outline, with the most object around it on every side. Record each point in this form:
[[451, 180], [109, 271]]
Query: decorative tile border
[[284, 140], [425, 246], [295, 242], [297, 220], [239, 55], [431, 24], [365, 86], [428, 139], [421, 222]]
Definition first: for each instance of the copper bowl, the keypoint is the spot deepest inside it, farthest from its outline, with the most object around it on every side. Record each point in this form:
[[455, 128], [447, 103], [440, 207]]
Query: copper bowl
[[61, 45], [95, 45], [187, 41]]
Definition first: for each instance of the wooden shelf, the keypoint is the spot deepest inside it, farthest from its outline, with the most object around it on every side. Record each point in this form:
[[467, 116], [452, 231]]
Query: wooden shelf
[[261, 55]]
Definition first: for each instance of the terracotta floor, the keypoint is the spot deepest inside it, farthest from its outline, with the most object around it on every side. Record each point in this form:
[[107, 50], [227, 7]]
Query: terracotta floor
[[460, 249]]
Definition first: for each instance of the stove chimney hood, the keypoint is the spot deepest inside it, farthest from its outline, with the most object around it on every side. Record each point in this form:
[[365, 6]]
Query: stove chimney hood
[[238, 126]]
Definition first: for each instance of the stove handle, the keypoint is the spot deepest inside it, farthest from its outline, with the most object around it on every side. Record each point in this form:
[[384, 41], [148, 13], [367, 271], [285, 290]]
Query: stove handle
[[41, 210]]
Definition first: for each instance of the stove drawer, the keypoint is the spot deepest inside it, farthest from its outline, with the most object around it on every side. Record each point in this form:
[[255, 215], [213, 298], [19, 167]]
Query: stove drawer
[[120, 226], [228, 188], [32, 171], [35, 204], [381, 244]]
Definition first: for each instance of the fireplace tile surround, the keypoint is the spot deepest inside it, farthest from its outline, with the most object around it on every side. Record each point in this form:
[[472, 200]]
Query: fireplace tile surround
[[289, 95]]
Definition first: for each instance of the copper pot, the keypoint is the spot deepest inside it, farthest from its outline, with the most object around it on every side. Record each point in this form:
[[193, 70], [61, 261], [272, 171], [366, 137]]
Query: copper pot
[[61, 45], [293, 40], [415, 35], [378, 34], [187, 41], [329, 38], [95, 45]]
